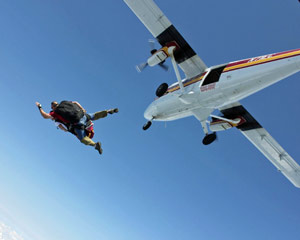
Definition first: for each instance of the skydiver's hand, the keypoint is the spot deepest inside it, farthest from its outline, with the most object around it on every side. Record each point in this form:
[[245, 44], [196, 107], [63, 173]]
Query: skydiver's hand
[[38, 105], [42, 112]]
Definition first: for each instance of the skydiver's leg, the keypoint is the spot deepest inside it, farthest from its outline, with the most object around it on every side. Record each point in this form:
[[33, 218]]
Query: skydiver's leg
[[81, 135], [88, 141], [98, 115], [103, 114], [113, 110]]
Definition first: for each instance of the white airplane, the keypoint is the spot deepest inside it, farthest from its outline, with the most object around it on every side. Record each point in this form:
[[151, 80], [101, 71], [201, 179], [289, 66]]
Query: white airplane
[[219, 87]]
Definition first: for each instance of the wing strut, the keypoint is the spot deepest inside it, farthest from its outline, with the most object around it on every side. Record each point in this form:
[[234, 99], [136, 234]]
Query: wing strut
[[171, 54]]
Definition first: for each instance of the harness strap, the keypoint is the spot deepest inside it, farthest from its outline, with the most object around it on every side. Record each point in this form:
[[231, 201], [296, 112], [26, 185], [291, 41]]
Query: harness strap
[[83, 126]]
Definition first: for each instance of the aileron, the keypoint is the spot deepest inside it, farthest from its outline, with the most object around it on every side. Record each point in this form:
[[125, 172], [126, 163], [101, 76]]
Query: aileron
[[150, 15]]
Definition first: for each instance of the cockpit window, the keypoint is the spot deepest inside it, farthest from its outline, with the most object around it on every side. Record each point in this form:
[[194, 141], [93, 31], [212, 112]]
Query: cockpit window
[[213, 75]]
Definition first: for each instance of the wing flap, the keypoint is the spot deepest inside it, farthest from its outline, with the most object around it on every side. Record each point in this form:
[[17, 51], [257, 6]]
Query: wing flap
[[262, 140], [265, 143]]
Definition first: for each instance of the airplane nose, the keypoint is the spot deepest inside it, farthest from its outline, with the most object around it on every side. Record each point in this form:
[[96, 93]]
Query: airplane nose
[[150, 112]]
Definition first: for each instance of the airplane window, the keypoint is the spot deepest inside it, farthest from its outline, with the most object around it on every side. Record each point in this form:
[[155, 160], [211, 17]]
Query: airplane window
[[213, 76]]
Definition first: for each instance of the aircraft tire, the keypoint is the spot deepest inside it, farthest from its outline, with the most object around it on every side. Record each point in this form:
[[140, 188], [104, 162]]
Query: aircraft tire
[[147, 125], [209, 138], [161, 90]]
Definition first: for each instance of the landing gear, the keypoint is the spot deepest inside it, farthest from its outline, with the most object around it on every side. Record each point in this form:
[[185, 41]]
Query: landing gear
[[161, 90], [147, 125], [209, 138]]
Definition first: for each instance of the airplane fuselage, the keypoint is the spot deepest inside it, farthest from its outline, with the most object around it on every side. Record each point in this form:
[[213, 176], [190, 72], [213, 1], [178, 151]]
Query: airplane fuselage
[[216, 88], [224, 84]]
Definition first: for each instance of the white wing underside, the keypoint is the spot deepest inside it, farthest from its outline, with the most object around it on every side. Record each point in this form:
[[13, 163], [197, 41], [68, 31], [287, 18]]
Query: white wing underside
[[275, 153], [269, 147], [157, 23]]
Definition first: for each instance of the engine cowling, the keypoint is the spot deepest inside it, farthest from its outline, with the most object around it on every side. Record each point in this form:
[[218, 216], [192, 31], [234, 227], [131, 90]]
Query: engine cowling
[[217, 125], [158, 57]]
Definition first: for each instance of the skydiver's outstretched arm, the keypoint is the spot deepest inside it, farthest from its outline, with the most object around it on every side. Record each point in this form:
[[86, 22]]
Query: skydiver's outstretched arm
[[42, 112], [77, 103], [60, 126]]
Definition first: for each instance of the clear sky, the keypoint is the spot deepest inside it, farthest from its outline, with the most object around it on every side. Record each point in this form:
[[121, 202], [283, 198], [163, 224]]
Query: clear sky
[[162, 184]]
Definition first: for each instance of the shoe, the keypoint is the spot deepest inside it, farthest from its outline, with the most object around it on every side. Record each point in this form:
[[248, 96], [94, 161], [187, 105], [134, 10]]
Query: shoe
[[114, 110], [98, 147]]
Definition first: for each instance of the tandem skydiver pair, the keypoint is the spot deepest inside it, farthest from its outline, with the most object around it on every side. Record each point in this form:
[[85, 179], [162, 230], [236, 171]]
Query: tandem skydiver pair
[[71, 117]]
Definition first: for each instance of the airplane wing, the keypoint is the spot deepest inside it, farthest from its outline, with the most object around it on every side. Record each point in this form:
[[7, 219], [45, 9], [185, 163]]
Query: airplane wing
[[264, 142], [163, 30]]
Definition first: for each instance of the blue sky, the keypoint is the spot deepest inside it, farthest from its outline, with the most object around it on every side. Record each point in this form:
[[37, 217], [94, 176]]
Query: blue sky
[[159, 184]]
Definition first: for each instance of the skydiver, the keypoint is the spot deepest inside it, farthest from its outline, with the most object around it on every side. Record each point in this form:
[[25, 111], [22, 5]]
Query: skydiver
[[70, 116]]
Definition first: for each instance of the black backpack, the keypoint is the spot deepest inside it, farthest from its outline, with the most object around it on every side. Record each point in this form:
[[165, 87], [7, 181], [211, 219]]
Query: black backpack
[[69, 111]]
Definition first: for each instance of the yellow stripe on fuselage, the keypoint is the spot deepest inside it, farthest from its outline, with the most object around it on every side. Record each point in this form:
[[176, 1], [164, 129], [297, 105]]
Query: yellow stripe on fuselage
[[187, 83], [248, 64]]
